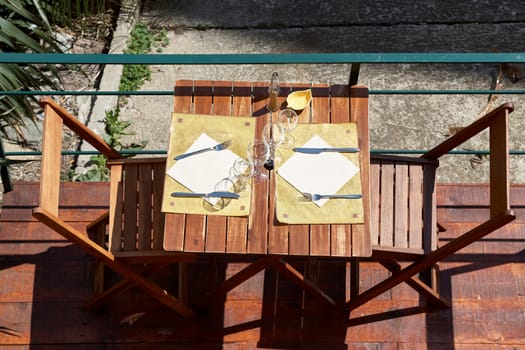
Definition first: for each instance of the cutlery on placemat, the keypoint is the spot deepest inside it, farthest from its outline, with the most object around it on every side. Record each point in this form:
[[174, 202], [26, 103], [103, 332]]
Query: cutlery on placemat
[[317, 150], [315, 197], [216, 194], [218, 147]]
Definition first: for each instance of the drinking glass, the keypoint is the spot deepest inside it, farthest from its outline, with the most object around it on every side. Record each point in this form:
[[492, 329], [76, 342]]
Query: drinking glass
[[288, 120], [242, 170], [227, 185], [258, 154], [273, 136]]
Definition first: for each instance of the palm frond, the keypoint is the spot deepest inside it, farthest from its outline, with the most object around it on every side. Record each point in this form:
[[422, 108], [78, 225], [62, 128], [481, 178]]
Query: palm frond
[[26, 26]]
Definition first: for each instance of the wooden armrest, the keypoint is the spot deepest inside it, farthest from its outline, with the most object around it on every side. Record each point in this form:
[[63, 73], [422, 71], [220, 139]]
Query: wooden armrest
[[84, 132], [473, 129], [54, 119], [497, 121], [401, 158]]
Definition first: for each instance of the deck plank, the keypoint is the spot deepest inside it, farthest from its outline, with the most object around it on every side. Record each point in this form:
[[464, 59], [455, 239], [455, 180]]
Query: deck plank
[[260, 195], [236, 237], [216, 225], [41, 273], [341, 235]]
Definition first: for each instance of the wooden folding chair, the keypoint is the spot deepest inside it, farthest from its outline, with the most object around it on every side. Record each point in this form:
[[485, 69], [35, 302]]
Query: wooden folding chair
[[136, 224], [403, 210]]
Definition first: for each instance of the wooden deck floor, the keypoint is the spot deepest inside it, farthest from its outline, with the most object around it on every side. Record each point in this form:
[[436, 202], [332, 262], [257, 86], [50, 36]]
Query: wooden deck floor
[[44, 281]]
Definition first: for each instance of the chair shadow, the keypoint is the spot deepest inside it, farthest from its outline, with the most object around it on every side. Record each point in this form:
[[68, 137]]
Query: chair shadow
[[63, 282], [288, 318]]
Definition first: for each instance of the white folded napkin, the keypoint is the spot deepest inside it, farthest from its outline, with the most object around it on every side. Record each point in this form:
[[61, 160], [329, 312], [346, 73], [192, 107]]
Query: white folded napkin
[[201, 172], [323, 173]]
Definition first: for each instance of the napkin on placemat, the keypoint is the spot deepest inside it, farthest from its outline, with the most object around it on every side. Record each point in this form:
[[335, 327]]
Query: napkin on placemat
[[201, 172], [323, 173]]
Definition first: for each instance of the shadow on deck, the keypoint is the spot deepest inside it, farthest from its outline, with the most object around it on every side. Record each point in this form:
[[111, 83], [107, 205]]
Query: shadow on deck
[[44, 280]]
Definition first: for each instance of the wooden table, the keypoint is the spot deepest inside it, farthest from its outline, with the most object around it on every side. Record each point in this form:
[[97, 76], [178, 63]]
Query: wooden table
[[261, 234], [403, 192], [260, 237]]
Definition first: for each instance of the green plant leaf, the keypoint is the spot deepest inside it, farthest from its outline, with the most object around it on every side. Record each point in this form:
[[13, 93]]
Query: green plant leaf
[[13, 31]]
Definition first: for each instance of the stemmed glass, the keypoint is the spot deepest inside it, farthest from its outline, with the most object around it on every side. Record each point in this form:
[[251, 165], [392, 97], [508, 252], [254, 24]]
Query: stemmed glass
[[273, 136], [225, 184], [242, 170], [258, 154], [288, 120]]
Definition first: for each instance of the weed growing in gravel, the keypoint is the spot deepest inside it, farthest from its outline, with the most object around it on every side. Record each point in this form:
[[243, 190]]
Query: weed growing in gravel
[[96, 169], [142, 40]]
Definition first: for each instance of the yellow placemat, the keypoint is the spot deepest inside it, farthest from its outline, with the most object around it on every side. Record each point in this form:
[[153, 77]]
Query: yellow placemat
[[184, 130], [289, 206]]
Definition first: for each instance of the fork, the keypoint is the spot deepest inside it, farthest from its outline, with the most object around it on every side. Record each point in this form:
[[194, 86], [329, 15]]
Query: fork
[[217, 147], [315, 196]]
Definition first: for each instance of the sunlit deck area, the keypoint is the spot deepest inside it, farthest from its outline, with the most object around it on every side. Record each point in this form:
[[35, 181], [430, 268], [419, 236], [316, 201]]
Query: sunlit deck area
[[44, 281]]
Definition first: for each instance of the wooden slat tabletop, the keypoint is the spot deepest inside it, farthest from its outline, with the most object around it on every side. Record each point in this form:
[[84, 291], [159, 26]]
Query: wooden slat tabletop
[[260, 233]]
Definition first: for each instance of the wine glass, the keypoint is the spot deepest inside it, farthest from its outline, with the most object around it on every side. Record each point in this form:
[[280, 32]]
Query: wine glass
[[242, 170], [225, 184], [273, 136], [287, 118], [258, 154]]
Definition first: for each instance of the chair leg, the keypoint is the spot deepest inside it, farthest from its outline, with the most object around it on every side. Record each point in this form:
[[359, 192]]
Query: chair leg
[[439, 254], [243, 275], [109, 260], [100, 299], [97, 230], [280, 266], [98, 283], [312, 270], [354, 278], [429, 292], [296, 277], [434, 278], [183, 282]]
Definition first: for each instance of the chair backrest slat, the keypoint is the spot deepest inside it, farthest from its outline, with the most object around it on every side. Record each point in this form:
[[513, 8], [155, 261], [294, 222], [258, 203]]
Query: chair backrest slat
[[387, 216], [401, 202], [145, 205], [375, 193], [159, 171], [429, 209], [415, 221], [129, 181]]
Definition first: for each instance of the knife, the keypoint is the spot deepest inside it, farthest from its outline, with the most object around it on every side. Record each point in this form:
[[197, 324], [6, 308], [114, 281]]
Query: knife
[[222, 194], [314, 150]]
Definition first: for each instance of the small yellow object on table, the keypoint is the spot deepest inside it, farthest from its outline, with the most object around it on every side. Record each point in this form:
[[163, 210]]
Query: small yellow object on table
[[299, 100]]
